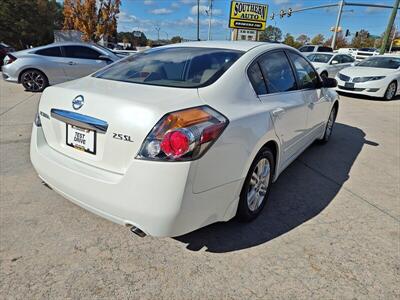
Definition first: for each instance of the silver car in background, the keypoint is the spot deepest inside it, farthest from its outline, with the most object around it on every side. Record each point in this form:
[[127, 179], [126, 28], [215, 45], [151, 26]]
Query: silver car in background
[[329, 64], [39, 67]]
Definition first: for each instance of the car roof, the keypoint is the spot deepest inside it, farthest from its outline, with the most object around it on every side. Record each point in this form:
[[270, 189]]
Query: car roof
[[231, 45]]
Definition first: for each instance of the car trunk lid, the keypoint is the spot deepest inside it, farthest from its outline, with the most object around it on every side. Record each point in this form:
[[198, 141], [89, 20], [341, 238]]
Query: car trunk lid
[[115, 118]]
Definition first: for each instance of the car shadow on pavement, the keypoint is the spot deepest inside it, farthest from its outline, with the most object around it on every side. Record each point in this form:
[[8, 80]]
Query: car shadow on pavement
[[302, 191]]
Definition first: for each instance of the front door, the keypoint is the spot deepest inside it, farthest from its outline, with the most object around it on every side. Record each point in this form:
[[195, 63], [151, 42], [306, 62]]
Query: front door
[[81, 61], [314, 97]]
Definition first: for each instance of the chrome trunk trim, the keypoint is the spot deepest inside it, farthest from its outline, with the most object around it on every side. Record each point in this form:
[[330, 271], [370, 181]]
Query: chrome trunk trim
[[79, 120]]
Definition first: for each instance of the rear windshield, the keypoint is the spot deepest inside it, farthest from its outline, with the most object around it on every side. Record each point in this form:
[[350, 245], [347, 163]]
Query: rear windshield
[[381, 62], [186, 67]]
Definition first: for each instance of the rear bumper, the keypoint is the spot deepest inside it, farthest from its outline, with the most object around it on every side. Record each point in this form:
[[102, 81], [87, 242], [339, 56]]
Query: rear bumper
[[7, 75], [155, 197]]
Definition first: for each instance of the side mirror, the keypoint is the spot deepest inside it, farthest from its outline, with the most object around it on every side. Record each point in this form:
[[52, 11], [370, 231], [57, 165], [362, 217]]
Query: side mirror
[[104, 57], [329, 82], [334, 62]]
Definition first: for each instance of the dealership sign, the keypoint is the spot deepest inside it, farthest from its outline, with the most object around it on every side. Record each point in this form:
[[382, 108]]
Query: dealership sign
[[245, 15]]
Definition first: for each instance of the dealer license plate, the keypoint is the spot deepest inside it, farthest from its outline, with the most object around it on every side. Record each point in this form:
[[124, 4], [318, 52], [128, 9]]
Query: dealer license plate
[[349, 85], [81, 138]]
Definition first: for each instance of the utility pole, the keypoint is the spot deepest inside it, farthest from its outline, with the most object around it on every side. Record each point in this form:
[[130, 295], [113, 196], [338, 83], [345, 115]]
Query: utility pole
[[198, 20], [157, 27], [337, 24], [394, 35], [389, 26], [209, 12]]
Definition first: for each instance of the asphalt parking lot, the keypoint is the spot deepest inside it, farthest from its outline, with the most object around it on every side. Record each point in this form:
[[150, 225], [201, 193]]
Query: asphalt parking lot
[[330, 230]]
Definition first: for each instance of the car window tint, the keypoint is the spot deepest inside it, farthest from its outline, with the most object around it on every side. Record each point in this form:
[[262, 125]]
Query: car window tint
[[307, 49], [308, 78], [52, 51], [348, 59], [324, 49], [81, 52], [175, 66], [257, 79], [278, 73]]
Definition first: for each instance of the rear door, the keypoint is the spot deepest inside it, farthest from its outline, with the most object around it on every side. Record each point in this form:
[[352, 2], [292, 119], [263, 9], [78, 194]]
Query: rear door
[[284, 101], [51, 60], [81, 61], [314, 97]]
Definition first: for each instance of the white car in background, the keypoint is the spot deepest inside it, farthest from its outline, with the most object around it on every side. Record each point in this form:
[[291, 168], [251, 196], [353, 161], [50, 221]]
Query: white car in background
[[328, 64], [376, 76], [181, 136]]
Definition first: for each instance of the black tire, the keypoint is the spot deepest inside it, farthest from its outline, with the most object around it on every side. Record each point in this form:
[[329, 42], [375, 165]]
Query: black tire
[[389, 95], [245, 212], [329, 126], [34, 80]]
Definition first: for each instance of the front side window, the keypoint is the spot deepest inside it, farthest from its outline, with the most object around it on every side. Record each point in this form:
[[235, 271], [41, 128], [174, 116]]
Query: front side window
[[278, 73], [257, 79], [81, 52], [348, 59], [306, 75], [52, 51], [186, 67]]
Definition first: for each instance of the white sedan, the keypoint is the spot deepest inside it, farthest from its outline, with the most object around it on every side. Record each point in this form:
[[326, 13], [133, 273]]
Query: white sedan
[[329, 64], [377, 76], [181, 136]]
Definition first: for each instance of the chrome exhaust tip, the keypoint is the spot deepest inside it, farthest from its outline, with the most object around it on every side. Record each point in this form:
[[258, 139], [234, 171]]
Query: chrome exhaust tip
[[138, 232]]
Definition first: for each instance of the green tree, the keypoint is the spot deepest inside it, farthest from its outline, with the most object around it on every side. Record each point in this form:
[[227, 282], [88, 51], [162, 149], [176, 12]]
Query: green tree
[[271, 34], [362, 40], [303, 39], [318, 39], [176, 39], [26, 23], [289, 40]]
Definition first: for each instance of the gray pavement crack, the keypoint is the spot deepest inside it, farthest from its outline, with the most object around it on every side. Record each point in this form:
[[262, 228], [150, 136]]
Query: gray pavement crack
[[348, 190]]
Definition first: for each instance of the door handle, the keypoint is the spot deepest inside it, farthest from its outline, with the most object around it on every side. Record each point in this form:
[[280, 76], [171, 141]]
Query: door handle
[[277, 112], [71, 63]]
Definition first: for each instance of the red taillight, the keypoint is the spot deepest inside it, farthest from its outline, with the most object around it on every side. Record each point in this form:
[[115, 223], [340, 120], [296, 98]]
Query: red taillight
[[9, 59], [183, 135], [175, 143]]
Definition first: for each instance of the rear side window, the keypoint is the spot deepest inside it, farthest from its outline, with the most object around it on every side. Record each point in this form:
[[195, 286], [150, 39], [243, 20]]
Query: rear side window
[[52, 51], [277, 72], [81, 52], [257, 79], [186, 67], [306, 75]]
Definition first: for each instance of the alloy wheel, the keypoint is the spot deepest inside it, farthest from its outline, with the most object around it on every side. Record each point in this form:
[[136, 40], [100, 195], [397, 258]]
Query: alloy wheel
[[329, 125], [391, 90], [258, 184], [33, 81]]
